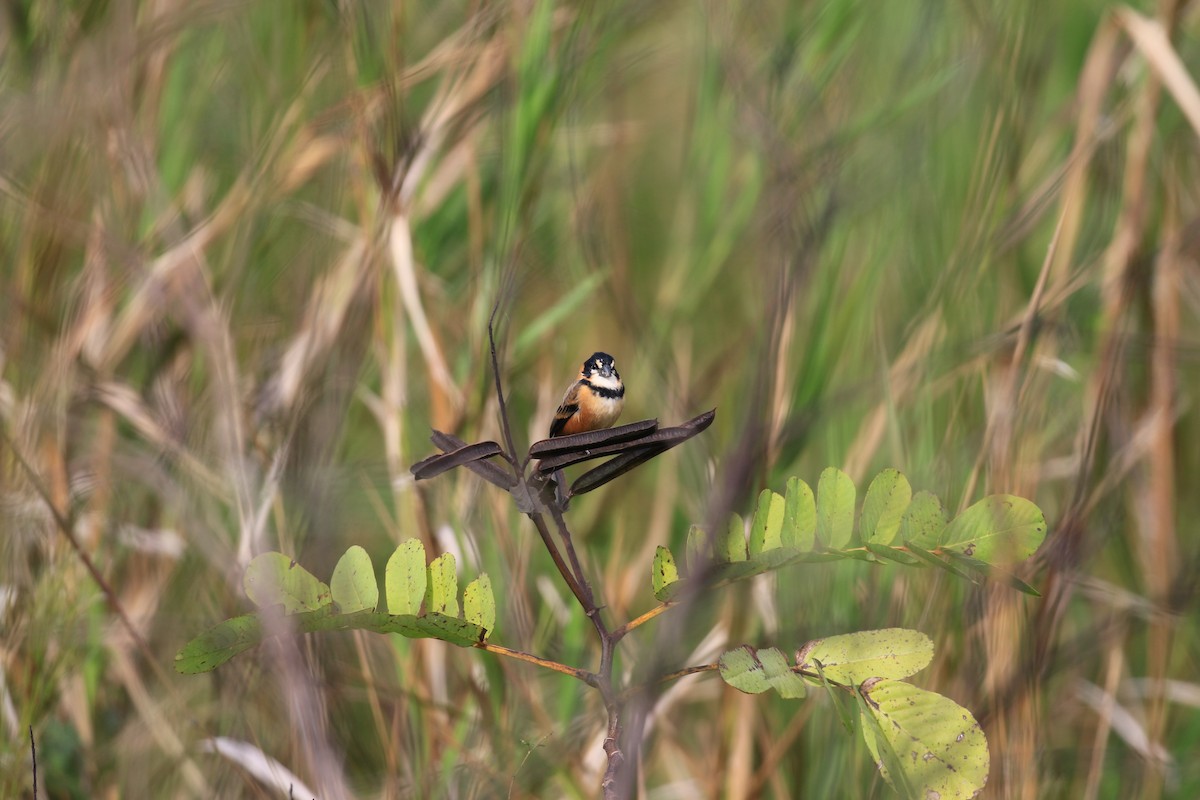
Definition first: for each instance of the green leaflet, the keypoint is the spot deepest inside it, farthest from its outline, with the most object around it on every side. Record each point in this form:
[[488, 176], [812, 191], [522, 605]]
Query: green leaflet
[[218, 644], [731, 545], [937, 744], [799, 516], [924, 521], [853, 657], [353, 583], [1001, 529], [768, 523], [755, 671], [274, 579], [835, 508], [405, 578], [479, 604], [696, 555], [441, 596], [883, 509], [665, 574]]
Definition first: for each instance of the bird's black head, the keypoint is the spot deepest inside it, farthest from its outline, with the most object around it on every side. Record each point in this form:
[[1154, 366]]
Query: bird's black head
[[601, 364]]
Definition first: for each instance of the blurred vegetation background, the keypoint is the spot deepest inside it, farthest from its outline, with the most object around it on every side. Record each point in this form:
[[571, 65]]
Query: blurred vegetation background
[[249, 250]]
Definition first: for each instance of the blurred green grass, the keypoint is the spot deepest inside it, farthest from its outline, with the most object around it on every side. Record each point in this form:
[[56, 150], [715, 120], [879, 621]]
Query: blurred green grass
[[825, 219]]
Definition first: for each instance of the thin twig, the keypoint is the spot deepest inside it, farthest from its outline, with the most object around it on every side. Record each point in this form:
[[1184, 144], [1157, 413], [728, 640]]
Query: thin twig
[[64, 526], [33, 756], [569, 544], [504, 424], [702, 668], [637, 622], [575, 672], [563, 569]]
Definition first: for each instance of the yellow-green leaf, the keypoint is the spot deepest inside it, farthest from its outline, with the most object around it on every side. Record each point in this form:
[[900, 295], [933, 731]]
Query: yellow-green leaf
[[754, 672], [883, 509], [218, 644], [835, 508], [936, 742], [1001, 529], [923, 521], [405, 578], [479, 604], [851, 658], [665, 572], [441, 597], [353, 584], [731, 545], [799, 516], [768, 523], [274, 579], [696, 551]]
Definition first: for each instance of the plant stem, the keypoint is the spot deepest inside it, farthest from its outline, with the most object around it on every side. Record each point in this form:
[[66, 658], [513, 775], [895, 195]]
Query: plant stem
[[575, 672], [617, 783], [620, 632]]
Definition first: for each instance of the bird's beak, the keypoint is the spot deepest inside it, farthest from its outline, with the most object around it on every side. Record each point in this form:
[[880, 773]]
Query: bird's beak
[[606, 371]]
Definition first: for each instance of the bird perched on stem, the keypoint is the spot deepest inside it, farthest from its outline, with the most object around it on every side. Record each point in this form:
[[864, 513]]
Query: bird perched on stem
[[593, 401]]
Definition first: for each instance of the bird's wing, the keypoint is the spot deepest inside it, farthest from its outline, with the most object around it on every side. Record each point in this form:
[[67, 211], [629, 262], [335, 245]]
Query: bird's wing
[[568, 408]]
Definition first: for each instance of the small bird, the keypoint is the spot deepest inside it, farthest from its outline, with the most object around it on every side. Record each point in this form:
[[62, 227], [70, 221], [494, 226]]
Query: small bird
[[593, 401]]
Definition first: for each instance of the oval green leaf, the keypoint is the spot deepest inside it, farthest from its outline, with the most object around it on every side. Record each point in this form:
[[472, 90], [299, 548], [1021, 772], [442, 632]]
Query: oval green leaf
[[664, 574], [924, 521], [742, 670], [274, 579], [405, 578], [441, 597], [218, 644], [768, 523], [479, 604], [353, 584], [883, 509], [788, 684], [1001, 529], [835, 508], [731, 545], [754, 672], [851, 658], [935, 742], [696, 551], [799, 516]]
